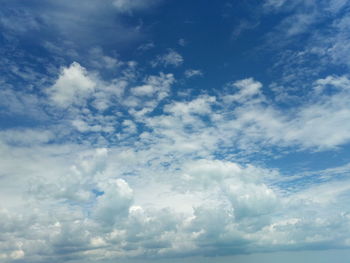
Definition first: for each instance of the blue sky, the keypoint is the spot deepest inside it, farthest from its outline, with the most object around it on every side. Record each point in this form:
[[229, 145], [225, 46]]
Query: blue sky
[[174, 131]]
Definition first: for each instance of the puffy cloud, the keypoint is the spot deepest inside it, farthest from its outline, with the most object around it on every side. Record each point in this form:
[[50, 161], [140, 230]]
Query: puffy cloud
[[264, 123], [145, 98], [200, 105], [120, 170], [247, 88], [72, 87], [147, 90], [175, 181], [232, 209], [114, 203]]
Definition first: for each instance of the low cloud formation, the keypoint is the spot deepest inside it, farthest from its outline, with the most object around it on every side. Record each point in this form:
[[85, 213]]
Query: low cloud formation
[[226, 139], [169, 189]]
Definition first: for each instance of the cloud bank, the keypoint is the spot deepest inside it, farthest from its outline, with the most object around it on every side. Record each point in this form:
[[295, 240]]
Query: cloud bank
[[172, 187]]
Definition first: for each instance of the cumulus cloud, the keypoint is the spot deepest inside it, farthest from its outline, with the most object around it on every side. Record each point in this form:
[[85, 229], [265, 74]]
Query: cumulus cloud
[[114, 203], [174, 177], [103, 161], [72, 87]]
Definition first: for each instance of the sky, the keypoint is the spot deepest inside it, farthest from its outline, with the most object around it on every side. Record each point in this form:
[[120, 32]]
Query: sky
[[174, 131]]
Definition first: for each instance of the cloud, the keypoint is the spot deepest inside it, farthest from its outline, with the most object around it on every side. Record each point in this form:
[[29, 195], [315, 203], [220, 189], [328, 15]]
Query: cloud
[[114, 203], [72, 87], [22, 105], [143, 90], [100, 60], [171, 58], [243, 26], [247, 89], [99, 163], [264, 123], [125, 6], [189, 73], [182, 42], [146, 46], [126, 171], [57, 31], [320, 27], [25, 136]]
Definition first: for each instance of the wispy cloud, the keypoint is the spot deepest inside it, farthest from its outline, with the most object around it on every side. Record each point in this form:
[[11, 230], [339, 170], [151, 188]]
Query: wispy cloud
[[171, 58]]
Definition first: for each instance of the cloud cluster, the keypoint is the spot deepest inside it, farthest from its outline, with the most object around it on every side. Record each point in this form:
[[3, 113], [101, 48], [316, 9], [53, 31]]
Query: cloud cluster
[[317, 32], [106, 160], [126, 171], [233, 209]]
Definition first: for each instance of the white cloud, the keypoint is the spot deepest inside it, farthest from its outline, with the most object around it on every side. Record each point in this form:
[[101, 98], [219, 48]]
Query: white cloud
[[200, 105], [122, 170], [247, 88], [193, 73], [323, 23], [96, 126], [171, 58], [72, 87], [143, 90], [115, 202], [100, 60], [170, 182], [22, 104], [204, 203], [146, 97], [25, 136], [301, 127], [129, 127]]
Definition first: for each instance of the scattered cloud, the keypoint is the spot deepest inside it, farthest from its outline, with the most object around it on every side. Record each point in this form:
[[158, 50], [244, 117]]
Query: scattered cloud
[[171, 58], [125, 6], [190, 73], [146, 46], [182, 42], [243, 26], [102, 161], [128, 199]]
